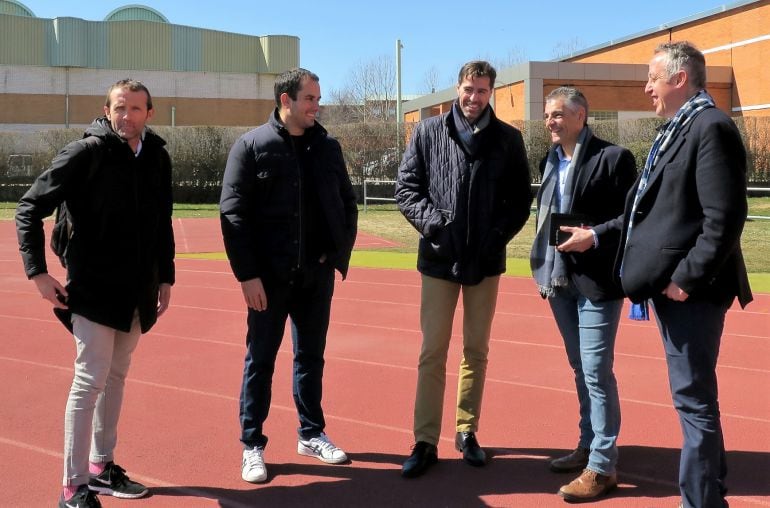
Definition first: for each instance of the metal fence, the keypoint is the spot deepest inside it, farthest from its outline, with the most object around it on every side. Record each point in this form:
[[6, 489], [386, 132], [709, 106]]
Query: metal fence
[[535, 186]]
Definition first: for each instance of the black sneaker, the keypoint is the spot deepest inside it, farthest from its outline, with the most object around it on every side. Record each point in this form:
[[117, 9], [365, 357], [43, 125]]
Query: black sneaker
[[114, 482], [83, 498]]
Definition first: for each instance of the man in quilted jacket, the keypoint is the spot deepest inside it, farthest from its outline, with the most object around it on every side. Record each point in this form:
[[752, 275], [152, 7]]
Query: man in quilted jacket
[[464, 185]]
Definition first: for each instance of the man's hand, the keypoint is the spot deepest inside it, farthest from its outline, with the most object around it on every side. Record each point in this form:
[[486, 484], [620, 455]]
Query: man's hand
[[50, 289], [675, 293], [581, 240], [254, 294], [164, 297]]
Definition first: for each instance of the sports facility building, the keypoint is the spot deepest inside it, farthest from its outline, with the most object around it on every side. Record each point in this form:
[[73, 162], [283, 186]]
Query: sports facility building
[[54, 73], [735, 39]]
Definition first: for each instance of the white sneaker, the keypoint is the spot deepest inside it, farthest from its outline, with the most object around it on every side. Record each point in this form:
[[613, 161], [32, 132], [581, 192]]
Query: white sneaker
[[321, 448], [253, 468]]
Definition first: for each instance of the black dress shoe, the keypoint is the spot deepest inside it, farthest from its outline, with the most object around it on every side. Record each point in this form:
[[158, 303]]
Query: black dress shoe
[[577, 460], [423, 456], [473, 454]]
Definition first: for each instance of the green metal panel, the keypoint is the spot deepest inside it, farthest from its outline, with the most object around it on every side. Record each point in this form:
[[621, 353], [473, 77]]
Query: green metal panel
[[229, 52], [23, 40], [67, 47], [187, 44], [139, 45], [281, 52]]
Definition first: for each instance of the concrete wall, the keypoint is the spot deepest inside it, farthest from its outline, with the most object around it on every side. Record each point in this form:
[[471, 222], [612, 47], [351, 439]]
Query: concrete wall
[[54, 97]]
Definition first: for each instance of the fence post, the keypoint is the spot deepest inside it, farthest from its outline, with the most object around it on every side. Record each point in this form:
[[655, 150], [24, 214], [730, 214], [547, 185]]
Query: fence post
[[364, 187]]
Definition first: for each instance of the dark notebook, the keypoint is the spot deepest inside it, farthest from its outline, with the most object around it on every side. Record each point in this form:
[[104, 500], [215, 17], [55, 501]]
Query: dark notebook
[[556, 236]]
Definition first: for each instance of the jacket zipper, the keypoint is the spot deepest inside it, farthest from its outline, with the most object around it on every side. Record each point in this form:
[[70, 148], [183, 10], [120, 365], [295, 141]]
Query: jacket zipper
[[299, 203], [468, 206]]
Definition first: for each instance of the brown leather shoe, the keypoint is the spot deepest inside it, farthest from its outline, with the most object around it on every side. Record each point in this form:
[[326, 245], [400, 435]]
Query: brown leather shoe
[[575, 461], [588, 486]]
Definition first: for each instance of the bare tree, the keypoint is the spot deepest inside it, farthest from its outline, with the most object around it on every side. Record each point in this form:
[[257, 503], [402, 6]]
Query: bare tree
[[563, 49], [431, 81], [514, 56], [369, 95]]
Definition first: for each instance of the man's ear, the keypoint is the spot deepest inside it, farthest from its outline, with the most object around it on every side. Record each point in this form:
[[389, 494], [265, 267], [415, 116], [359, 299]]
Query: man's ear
[[285, 100], [680, 79], [107, 111], [150, 113]]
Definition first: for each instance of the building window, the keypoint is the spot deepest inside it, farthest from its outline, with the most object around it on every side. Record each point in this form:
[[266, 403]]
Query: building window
[[598, 116]]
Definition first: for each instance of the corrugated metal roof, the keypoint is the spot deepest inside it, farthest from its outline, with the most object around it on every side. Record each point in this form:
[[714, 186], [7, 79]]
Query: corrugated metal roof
[[135, 13], [15, 8]]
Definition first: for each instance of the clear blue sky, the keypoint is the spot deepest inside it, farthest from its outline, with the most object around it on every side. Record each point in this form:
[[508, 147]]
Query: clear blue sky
[[337, 36]]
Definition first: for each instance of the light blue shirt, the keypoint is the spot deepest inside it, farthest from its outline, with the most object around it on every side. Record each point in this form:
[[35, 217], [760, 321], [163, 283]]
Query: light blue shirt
[[564, 165]]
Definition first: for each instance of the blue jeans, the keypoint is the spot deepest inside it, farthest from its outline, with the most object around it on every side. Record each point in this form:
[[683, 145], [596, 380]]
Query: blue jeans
[[308, 304], [692, 332], [588, 329]]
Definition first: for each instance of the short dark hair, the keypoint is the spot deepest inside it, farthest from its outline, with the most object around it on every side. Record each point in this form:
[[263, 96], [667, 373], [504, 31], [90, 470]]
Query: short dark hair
[[132, 85], [477, 69], [683, 55], [572, 97], [289, 82]]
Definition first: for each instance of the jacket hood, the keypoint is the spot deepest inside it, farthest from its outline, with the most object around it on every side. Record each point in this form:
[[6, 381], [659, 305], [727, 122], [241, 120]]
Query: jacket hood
[[102, 128]]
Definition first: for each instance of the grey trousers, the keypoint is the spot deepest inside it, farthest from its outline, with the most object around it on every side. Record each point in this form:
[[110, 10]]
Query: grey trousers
[[96, 396]]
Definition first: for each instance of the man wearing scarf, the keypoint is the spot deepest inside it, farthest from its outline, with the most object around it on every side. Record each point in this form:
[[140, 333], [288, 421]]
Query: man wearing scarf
[[682, 252], [586, 179], [464, 185]]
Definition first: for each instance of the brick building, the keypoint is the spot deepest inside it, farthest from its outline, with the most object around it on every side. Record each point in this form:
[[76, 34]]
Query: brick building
[[734, 38]]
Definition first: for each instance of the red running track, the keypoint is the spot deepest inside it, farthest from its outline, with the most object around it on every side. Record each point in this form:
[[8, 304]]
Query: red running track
[[179, 429]]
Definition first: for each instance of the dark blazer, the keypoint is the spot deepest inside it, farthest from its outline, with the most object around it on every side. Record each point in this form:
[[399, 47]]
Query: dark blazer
[[688, 223], [605, 175]]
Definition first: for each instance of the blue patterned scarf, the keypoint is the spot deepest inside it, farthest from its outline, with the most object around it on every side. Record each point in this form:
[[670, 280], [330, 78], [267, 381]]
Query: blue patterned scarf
[[666, 134], [548, 265]]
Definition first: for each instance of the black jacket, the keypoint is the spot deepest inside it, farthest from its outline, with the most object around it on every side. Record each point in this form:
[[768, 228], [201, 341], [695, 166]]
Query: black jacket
[[688, 223], [261, 199], [430, 179], [606, 174], [122, 247]]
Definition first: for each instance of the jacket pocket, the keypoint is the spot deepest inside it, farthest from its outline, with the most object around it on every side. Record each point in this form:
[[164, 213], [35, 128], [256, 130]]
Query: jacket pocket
[[439, 246]]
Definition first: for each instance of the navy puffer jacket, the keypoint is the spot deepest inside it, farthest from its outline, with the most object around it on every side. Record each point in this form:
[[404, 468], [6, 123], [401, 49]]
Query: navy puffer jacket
[[260, 206]]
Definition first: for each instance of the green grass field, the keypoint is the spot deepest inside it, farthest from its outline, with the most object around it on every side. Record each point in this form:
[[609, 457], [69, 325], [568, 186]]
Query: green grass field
[[386, 222]]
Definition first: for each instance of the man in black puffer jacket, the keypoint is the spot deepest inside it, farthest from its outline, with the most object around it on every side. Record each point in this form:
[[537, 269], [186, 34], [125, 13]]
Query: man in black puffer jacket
[[116, 183], [464, 185], [289, 218]]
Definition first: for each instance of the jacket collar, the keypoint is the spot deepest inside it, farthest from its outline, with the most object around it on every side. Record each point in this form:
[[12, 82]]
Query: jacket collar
[[670, 153], [449, 121], [316, 131]]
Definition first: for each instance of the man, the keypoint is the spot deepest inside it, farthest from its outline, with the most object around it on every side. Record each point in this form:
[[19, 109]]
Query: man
[[116, 183], [289, 217], [681, 251], [587, 179], [464, 185]]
